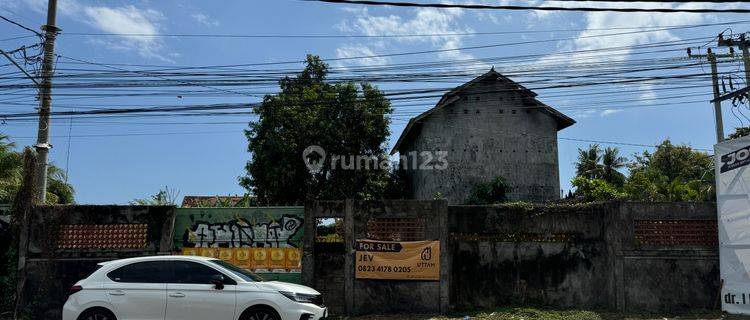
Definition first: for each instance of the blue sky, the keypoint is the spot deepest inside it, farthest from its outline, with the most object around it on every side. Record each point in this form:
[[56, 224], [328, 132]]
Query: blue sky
[[206, 159]]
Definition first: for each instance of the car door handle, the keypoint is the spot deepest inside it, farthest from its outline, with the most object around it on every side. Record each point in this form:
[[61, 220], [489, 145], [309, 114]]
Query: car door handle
[[117, 293], [177, 295]]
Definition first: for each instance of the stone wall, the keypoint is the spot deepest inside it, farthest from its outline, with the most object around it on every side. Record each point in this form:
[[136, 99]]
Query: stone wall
[[52, 260]]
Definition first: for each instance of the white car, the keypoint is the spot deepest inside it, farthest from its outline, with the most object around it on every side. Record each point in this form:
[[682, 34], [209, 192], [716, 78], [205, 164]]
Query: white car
[[184, 288]]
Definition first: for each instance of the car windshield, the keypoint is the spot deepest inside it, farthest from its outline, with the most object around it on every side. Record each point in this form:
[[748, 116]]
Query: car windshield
[[242, 273]]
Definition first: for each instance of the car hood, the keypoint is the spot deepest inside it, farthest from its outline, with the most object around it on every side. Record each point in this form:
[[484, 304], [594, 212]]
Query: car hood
[[285, 286]]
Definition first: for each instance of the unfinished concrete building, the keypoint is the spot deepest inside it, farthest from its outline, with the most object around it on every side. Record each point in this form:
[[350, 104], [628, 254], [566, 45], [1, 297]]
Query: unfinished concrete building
[[488, 127]]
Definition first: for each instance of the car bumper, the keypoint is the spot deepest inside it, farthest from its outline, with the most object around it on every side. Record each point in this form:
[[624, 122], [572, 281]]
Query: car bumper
[[304, 311], [70, 312]]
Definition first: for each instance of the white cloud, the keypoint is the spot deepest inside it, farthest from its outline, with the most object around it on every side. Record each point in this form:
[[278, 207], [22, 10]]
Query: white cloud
[[129, 20], [359, 50], [422, 21], [609, 112], [596, 23], [114, 20], [205, 20]]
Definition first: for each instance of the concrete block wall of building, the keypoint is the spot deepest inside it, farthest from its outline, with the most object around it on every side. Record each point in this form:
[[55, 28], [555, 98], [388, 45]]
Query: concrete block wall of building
[[490, 127]]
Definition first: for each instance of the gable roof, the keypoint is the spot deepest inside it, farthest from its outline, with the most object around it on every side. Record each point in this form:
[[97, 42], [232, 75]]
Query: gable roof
[[414, 125]]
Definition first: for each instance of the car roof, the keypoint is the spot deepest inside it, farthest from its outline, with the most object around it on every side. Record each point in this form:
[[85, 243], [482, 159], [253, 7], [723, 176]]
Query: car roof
[[157, 258]]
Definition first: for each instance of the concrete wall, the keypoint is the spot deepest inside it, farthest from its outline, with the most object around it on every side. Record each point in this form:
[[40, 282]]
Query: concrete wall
[[361, 296], [595, 261], [576, 256], [488, 135], [504, 256], [48, 272]]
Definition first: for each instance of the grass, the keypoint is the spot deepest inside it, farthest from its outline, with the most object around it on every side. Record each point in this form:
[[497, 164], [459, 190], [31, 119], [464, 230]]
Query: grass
[[526, 313]]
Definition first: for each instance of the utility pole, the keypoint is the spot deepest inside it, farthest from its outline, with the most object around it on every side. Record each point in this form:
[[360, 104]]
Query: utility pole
[[745, 57], [43, 145], [717, 104], [711, 57], [743, 44]]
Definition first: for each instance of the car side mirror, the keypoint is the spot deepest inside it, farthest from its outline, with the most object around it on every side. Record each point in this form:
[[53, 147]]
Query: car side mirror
[[218, 281]]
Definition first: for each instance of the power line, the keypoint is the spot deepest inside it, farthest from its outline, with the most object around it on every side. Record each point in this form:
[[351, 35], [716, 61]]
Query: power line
[[21, 26], [657, 1], [623, 143], [337, 36], [509, 7]]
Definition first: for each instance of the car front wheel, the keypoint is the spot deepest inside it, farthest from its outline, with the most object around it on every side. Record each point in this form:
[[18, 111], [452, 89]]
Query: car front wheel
[[260, 314], [97, 314]]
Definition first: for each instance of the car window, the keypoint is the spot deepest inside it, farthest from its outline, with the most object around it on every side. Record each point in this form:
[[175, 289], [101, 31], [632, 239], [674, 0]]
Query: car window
[[242, 273], [142, 272], [192, 272]]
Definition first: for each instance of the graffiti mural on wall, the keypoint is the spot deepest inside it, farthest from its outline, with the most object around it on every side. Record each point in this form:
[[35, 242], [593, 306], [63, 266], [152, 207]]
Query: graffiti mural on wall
[[265, 240], [244, 233]]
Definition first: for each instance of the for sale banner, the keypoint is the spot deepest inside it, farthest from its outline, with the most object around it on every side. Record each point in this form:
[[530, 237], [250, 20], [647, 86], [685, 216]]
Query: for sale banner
[[733, 202], [403, 260]]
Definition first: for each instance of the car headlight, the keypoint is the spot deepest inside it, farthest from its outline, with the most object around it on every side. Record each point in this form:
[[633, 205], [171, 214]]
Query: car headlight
[[299, 297]]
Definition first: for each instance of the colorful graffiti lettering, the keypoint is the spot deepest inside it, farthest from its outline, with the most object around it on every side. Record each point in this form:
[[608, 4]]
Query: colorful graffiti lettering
[[241, 233]]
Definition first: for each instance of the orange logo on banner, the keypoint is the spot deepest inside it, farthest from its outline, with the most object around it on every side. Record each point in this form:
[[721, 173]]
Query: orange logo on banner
[[207, 252], [413, 260], [225, 254], [242, 258], [260, 258], [293, 258], [278, 260]]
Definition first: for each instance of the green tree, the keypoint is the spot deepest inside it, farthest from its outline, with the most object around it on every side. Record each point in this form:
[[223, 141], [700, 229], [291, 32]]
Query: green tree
[[491, 192], [671, 173], [595, 163], [59, 191], [597, 190], [343, 118], [611, 163], [589, 162]]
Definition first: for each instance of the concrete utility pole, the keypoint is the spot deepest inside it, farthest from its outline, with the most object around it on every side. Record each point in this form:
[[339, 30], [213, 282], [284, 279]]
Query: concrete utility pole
[[743, 44], [717, 104], [42, 145], [711, 57]]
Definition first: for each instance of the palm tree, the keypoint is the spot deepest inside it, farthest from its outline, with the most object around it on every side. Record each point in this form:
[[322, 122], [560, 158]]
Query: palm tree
[[588, 165], [611, 162], [11, 176]]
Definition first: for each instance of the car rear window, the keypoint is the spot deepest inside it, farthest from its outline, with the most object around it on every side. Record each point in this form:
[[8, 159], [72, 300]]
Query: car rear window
[[142, 272]]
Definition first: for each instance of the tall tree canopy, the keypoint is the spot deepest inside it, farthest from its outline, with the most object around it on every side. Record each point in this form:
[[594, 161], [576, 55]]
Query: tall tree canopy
[[595, 163], [343, 118], [11, 176], [670, 173]]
